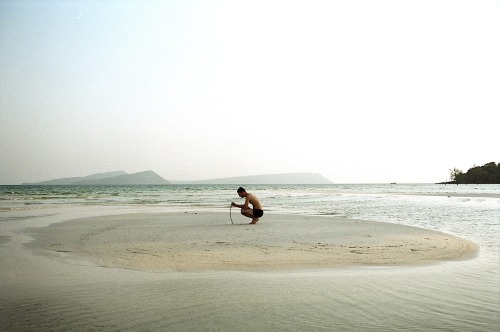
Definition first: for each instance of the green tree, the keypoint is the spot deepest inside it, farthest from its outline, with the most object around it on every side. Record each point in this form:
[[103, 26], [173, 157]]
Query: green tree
[[487, 174], [455, 173]]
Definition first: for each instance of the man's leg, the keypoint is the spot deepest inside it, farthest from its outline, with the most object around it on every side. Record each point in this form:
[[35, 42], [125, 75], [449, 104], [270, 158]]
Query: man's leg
[[249, 214]]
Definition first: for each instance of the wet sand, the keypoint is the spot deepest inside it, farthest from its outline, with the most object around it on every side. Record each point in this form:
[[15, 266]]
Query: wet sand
[[129, 269], [207, 241]]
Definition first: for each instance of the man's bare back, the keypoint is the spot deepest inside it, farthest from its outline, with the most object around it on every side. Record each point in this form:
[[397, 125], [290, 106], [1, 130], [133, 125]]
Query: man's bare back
[[252, 199]]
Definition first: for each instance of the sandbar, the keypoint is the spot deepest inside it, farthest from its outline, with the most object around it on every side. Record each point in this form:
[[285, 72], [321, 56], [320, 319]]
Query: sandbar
[[207, 241]]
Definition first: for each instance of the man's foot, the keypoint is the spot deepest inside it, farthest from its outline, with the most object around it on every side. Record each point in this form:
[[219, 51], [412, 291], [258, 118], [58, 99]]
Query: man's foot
[[254, 221]]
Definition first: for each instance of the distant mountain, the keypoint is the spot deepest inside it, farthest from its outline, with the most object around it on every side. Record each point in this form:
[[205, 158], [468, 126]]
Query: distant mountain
[[147, 177], [69, 181], [111, 178], [287, 178], [151, 178]]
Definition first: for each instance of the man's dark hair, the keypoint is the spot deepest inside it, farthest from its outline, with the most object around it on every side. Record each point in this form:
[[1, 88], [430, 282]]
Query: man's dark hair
[[241, 190]]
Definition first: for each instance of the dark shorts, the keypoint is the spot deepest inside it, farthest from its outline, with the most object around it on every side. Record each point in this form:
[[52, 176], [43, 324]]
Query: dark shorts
[[257, 213]]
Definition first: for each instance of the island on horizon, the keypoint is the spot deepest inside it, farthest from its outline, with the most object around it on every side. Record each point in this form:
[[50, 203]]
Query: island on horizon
[[489, 173], [152, 178]]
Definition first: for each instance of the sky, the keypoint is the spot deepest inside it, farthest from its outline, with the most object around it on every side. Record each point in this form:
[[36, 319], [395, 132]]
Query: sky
[[360, 91]]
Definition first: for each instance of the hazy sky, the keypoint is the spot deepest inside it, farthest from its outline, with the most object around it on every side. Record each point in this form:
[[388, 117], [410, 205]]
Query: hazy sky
[[359, 91]]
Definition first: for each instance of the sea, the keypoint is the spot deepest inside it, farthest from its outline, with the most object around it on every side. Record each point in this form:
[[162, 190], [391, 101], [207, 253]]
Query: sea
[[449, 296]]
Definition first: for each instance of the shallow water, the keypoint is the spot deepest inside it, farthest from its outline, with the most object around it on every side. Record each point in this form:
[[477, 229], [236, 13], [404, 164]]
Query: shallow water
[[451, 296], [447, 298]]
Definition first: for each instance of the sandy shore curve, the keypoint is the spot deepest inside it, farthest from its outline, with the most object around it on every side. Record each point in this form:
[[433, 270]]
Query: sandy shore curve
[[198, 241]]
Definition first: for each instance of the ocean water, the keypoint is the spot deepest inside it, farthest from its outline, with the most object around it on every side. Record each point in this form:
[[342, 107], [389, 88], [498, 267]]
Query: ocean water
[[468, 211], [450, 296]]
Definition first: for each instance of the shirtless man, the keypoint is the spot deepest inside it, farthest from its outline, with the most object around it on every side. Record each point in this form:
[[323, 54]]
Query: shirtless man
[[255, 212]]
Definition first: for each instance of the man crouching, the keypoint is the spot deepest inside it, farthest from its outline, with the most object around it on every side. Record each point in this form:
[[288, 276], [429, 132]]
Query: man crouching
[[255, 212]]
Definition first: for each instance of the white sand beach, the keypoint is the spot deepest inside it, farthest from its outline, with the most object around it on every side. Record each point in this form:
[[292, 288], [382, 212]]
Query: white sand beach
[[195, 241]]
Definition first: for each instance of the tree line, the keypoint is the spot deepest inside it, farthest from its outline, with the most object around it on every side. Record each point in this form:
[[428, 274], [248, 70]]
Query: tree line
[[487, 174]]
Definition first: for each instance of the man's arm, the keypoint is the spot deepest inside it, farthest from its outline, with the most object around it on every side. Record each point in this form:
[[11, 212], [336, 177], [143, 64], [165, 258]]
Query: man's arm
[[247, 200], [242, 206]]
